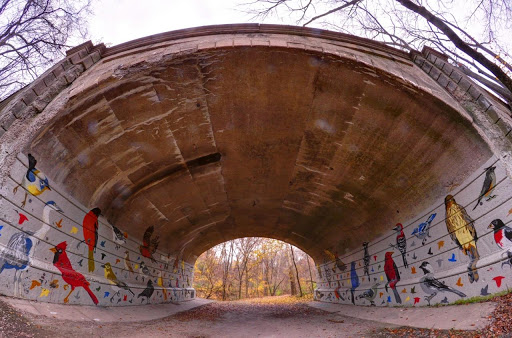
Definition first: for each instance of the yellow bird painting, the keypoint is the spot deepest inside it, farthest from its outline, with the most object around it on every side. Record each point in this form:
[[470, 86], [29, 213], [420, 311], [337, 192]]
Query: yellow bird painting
[[462, 231]]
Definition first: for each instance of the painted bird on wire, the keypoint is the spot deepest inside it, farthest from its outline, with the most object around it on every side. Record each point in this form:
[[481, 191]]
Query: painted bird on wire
[[70, 276], [366, 259], [503, 238], [487, 187], [117, 285], [432, 286], [19, 251], [392, 275], [354, 280], [370, 294], [401, 243], [423, 230], [339, 263], [90, 227], [34, 181], [149, 245], [148, 291], [463, 233], [118, 236], [127, 262]]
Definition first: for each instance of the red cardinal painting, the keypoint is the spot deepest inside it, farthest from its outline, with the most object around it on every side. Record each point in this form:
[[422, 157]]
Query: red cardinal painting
[[70, 276], [149, 245], [392, 275], [90, 226]]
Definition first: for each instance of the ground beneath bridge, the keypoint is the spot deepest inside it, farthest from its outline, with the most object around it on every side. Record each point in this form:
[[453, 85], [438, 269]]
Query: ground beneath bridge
[[263, 317]]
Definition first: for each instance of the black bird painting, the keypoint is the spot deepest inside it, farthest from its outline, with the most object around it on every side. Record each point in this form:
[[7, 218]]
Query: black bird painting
[[487, 187], [366, 259], [148, 291]]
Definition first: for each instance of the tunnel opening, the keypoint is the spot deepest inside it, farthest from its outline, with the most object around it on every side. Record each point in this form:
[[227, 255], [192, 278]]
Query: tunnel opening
[[156, 151], [254, 267]]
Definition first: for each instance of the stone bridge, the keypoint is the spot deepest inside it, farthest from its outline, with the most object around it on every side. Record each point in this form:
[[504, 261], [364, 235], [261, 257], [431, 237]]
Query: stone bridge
[[384, 166]]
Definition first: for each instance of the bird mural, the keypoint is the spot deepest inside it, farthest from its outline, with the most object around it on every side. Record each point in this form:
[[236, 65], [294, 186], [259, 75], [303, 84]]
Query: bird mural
[[462, 232], [116, 284], [34, 181], [401, 243], [148, 291], [118, 236], [354, 280], [339, 263], [432, 286], [423, 230], [149, 245], [487, 187], [20, 248], [90, 227], [70, 276], [503, 239], [370, 294], [144, 269], [127, 262], [366, 259], [392, 275]]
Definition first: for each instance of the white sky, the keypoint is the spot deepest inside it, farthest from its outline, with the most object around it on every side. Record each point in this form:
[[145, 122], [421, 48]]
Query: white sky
[[117, 21]]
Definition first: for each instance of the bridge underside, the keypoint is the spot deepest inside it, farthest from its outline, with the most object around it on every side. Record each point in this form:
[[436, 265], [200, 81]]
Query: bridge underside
[[319, 139], [314, 150]]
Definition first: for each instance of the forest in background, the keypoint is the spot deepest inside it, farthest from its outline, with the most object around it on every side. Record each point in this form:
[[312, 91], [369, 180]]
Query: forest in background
[[253, 267]]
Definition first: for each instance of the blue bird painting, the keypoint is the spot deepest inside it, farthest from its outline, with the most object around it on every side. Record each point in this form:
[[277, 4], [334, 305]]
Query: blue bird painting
[[422, 231], [354, 280], [19, 250], [34, 181]]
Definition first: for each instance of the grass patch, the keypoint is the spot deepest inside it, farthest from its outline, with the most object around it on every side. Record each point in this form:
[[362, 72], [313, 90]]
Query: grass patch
[[480, 299]]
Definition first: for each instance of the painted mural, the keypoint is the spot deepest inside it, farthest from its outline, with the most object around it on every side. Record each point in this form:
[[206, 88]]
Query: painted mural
[[460, 247], [53, 249]]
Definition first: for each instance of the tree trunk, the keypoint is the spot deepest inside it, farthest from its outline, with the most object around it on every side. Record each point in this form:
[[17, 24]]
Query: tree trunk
[[296, 271], [310, 276], [459, 43], [293, 290]]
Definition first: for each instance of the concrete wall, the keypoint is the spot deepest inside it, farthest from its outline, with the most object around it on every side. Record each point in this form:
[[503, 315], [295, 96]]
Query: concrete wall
[[449, 263], [40, 280]]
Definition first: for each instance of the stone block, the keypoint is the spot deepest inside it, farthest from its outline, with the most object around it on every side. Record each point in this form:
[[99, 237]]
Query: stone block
[[443, 80], [58, 70], [484, 103], [435, 73], [260, 42], [87, 62], [295, 45], [39, 87], [7, 120], [451, 86], [455, 76], [48, 79], [75, 58], [465, 84], [503, 127], [96, 56], [427, 67], [83, 53], [474, 92], [28, 96], [242, 42], [492, 115], [17, 109], [278, 43], [224, 43]]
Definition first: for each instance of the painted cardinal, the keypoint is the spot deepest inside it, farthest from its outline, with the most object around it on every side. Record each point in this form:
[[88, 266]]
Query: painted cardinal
[[90, 226], [462, 232], [401, 243], [149, 245], [392, 275], [432, 286], [503, 238], [70, 276]]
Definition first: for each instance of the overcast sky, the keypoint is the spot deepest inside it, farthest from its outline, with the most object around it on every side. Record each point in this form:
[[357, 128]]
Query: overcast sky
[[119, 21]]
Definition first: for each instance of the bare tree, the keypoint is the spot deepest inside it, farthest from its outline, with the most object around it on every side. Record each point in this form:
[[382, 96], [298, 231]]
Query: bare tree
[[244, 248], [296, 271], [447, 26], [33, 34]]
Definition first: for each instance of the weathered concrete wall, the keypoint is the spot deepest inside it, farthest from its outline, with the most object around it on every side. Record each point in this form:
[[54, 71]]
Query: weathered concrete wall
[[28, 232], [457, 272]]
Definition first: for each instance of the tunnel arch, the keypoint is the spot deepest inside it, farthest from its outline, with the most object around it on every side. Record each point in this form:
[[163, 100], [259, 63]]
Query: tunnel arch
[[318, 139]]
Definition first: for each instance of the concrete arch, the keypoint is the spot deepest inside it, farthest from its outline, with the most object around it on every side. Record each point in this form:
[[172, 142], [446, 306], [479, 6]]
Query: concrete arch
[[315, 138]]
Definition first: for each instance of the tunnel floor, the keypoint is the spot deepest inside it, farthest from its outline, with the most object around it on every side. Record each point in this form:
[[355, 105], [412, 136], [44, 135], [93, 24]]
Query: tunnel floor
[[282, 316]]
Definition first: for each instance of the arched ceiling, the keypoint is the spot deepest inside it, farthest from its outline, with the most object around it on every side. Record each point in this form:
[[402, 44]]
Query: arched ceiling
[[210, 145]]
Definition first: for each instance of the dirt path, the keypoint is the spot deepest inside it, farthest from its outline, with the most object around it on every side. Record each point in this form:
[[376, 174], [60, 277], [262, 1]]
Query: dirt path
[[261, 318]]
